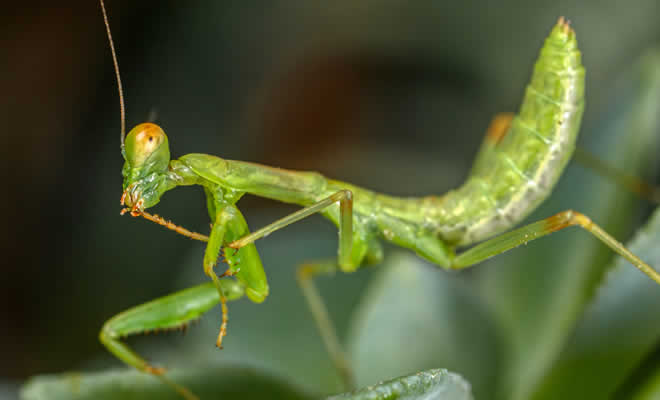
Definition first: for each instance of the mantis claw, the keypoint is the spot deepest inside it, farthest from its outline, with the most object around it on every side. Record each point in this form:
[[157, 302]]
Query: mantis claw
[[136, 210], [228, 272], [225, 258], [137, 207]]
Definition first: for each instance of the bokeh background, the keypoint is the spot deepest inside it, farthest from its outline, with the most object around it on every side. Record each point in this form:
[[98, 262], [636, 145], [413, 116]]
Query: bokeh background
[[391, 95]]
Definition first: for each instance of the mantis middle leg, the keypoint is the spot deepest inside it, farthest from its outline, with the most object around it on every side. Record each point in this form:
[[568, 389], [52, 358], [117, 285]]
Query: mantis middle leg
[[354, 249]]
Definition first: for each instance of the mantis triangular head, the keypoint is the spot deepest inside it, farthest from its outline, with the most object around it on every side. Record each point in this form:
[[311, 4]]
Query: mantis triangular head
[[147, 154]]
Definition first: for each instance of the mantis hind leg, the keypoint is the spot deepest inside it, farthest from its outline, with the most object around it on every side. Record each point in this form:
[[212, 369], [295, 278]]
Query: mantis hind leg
[[172, 312], [564, 219]]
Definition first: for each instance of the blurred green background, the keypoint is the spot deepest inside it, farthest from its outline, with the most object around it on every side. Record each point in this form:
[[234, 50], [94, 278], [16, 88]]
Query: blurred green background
[[391, 95]]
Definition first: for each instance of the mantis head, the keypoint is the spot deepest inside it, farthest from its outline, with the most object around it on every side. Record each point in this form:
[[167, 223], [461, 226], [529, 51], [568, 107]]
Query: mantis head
[[147, 155], [145, 149]]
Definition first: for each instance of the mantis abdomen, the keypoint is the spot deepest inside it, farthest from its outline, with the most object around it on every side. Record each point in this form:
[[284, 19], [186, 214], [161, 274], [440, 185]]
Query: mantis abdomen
[[516, 170]]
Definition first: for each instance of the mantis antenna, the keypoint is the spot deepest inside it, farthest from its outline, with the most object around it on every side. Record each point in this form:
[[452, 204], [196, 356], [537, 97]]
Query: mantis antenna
[[122, 110], [119, 87]]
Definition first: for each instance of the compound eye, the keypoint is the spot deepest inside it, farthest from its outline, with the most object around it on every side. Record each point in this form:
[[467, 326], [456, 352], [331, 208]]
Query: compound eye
[[142, 141], [149, 137]]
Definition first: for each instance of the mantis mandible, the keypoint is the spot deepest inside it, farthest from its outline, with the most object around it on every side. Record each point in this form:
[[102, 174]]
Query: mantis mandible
[[518, 165]]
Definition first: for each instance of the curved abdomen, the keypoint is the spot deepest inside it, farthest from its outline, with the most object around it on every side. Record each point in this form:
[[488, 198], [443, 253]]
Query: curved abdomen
[[515, 172]]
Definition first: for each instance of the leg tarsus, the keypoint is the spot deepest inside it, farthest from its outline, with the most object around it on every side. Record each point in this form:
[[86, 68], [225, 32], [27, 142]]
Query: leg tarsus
[[223, 302], [223, 325]]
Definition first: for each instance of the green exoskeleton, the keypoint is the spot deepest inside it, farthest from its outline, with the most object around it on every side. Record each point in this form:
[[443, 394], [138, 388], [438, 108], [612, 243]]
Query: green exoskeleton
[[516, 169]]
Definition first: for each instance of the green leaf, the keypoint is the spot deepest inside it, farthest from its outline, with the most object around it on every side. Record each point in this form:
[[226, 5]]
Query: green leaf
[[209, 383], [650, 389], [414, 316], [619, 328], [437, 384]]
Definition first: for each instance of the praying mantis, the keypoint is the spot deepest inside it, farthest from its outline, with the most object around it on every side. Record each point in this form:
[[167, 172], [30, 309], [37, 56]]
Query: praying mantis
[[520, 161]]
